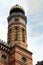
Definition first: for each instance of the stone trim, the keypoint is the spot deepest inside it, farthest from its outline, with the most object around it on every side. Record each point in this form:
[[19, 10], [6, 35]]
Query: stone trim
[[16, 24], [17, 15], [17, 61], [20, 48], [4, 48]]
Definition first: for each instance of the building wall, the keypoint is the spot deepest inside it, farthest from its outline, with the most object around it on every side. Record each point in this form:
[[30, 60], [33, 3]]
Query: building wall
[[3, 58], [20, 56]]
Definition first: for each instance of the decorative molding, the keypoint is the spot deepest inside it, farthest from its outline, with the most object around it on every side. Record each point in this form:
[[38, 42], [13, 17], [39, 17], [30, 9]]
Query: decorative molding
[[17, 61], [17, 15]]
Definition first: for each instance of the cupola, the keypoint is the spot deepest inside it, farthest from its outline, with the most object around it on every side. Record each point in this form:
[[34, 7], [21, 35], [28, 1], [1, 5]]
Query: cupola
[[17, 9]]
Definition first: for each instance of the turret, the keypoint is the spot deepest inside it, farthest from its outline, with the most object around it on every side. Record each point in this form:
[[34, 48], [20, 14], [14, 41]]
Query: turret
[[17, 26]]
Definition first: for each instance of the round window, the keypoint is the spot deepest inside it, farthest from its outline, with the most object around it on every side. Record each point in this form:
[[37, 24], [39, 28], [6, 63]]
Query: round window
[[24, 59], [3, 57]]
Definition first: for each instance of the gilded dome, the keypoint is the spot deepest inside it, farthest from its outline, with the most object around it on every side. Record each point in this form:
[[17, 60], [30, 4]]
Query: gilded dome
[[17, 8]]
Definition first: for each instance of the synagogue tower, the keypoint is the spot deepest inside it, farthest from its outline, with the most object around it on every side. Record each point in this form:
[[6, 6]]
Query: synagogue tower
[[15, 52]]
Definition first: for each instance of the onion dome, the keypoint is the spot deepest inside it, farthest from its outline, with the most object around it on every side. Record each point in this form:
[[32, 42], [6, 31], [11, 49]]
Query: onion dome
[[16, 9]]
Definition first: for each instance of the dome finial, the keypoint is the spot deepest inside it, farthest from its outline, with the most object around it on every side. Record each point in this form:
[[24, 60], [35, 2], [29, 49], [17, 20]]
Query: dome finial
[[17, 5]]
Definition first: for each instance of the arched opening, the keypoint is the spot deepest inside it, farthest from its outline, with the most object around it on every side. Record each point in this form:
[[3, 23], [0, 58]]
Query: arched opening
[[23, 35], [16, 33]]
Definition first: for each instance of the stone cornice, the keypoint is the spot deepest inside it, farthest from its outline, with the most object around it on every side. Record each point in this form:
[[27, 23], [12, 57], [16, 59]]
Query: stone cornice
[[17, 15], [21, 48]]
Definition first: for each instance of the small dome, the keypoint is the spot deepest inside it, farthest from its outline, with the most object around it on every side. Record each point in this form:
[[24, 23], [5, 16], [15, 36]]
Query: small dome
[[16, 9]]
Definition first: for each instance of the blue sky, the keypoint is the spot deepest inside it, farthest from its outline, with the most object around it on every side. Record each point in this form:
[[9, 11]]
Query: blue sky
[[34, 13]]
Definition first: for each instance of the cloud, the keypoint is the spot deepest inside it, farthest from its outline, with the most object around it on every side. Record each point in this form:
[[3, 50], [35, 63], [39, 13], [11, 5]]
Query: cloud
[[35, 45], [34, 34], [36, 25], [36, 20], [37, 29], [35, 5], [40, 23]]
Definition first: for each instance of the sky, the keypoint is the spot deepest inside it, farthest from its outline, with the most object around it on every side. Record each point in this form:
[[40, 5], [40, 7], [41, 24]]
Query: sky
[[34, 12]]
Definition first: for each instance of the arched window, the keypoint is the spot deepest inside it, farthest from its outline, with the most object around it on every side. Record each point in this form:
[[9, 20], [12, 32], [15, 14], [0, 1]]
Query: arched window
[[24, 59], [4, 57], [16, 33], [23, 35], [9, 34]]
